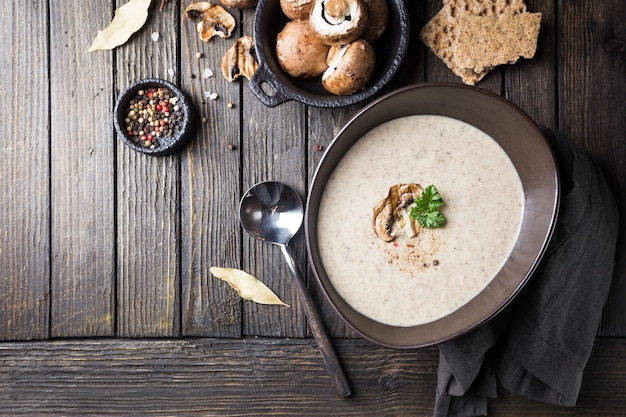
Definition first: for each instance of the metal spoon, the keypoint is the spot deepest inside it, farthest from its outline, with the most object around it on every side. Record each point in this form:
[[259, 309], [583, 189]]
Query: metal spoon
[[273, 212]]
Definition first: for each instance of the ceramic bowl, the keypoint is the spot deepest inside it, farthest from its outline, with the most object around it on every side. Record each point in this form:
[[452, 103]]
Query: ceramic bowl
[[532, 157], [273, 86], [167, 143]]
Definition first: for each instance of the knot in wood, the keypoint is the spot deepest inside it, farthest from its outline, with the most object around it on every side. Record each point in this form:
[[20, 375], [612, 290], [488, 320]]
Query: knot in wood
[[388, 381], [614, 45]]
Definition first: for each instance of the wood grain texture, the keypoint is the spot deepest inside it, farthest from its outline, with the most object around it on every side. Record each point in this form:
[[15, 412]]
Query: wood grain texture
[[77, 207], [24, 184], [592, 110], [82, 173], [148, 197], [273, 148], [531, 83], [211, 183], [208, 377], [256, 376]]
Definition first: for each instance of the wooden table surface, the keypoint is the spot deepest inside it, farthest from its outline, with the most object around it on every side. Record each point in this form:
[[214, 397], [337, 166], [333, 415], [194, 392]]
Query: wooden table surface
[[108, 306]]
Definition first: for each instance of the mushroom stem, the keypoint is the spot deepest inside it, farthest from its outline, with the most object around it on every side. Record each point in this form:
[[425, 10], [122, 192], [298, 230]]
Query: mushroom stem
[[337, 22], [338, 9]]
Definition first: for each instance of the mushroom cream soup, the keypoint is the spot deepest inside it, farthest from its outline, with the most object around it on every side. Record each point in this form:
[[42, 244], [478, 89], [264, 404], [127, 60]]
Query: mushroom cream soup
[[411, 281]]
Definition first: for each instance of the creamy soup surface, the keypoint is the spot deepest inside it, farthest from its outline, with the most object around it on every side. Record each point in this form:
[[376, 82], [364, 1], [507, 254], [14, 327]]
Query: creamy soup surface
[[412, 281]]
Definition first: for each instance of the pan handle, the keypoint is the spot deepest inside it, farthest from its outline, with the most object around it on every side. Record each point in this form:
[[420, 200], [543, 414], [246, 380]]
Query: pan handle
[[267, 88]]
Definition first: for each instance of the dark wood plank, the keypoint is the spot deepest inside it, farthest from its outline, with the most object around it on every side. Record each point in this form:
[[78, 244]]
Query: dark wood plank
[[273, 148], [531, 83], [82, 173], [256, 375], [24, 184], [211, 182], [148, 194], [210, 377], [591, 59]]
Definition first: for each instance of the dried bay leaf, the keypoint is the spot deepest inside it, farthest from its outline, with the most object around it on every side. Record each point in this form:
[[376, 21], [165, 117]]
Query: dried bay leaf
[[128, 19], [247, 286]]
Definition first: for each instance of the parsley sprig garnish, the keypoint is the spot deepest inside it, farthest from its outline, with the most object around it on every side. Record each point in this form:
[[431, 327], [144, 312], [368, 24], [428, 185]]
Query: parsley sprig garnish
[[426, 208]]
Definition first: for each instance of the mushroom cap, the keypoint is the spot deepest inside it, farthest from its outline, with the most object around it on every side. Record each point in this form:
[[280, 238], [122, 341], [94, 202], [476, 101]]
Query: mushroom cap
[[296, 9], [215, 20], [299, 51], [240, 4], [337, 22], [378, 17], [350, 67], [240, 60]]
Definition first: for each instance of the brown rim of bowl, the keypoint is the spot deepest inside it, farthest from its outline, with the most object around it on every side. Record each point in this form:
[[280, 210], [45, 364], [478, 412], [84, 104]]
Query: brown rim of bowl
[[531, 155]]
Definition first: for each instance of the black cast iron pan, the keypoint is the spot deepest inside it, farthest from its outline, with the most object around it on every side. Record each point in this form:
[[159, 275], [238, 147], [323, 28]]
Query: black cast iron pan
[[273, 86]]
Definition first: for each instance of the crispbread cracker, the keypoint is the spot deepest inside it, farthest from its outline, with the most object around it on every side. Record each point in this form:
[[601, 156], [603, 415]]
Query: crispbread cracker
[[473, 36], [485, 42], [484, 7], [439, 37]]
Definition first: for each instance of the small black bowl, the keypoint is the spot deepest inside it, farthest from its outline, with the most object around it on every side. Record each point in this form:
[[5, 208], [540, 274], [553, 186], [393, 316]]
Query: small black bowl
[[166, 144], [273, 86]]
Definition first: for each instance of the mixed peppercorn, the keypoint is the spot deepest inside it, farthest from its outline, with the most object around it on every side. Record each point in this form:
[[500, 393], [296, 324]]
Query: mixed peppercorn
[[152, 114]]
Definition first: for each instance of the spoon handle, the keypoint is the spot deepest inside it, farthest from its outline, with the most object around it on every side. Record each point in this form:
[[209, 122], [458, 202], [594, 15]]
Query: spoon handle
[[333, 366]]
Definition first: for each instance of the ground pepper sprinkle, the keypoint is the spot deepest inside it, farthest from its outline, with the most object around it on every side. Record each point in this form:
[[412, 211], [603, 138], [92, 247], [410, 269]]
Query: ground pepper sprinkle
[[152, 114]]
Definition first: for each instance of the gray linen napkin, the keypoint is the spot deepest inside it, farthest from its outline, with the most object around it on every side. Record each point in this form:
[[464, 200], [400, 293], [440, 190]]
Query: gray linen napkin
[[539, 345]]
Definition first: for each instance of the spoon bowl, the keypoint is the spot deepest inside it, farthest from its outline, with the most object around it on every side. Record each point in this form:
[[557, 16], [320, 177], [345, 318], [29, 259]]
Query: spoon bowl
[[273, 212]]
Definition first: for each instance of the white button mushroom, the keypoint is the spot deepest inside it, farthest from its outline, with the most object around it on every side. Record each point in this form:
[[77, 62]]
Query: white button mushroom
[[299, 51], [338, 22], [350, 67], [296, 9], [239, 4]]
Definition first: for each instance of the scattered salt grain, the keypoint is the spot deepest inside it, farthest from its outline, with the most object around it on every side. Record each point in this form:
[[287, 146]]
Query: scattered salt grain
[[170, 72], [155, 36], [207, 73]]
